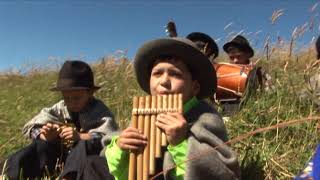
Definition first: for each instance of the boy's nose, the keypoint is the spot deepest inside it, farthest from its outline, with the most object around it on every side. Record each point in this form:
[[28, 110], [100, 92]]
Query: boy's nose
[[165, 81]]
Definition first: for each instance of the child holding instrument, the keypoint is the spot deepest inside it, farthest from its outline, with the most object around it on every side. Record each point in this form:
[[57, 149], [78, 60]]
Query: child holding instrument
[[229, 94], [55, 131], [171, 66]]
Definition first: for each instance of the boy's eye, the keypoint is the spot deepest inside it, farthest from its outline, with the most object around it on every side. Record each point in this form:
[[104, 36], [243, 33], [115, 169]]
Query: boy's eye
[[156, 73], [176, 74]]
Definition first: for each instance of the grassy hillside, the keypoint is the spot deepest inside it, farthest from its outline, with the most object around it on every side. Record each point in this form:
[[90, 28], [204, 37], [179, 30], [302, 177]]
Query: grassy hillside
[[277, 154]]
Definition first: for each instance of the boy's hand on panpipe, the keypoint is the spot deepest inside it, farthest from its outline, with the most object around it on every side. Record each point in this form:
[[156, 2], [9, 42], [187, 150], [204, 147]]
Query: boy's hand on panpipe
[[69, 133], [131, 139], [49, 132], [174, 126]]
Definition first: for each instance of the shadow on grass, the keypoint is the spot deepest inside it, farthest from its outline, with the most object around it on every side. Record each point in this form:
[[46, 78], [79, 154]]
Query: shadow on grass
[[252, 166]]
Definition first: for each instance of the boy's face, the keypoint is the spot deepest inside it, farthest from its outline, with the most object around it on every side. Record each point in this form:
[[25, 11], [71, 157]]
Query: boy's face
[[237, 56], [76, 100], [172, 77]]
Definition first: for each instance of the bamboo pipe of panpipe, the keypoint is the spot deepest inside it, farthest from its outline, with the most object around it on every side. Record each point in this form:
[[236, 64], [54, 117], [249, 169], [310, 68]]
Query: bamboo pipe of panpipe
[[158, 131], [175, 102], [146, 133], [140, 128], [165, 109], [153, 136], [180, 103], [134, 124]]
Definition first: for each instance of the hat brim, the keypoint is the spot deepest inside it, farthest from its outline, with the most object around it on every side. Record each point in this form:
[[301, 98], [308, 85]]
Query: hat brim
[[240, 46], [74, 88], [184, 49]]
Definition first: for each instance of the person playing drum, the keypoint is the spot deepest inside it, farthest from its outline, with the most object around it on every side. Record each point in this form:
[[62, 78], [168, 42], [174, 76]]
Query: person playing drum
[[243, 78]]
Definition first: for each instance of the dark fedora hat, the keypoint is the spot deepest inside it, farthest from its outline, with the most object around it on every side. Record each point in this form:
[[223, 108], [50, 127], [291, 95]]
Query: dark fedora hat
[[75, 75], [184, 49], [202, 37], [239, 42]]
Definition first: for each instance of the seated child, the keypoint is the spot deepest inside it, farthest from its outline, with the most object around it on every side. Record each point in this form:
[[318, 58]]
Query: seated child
[[55, 131], [175, 65]]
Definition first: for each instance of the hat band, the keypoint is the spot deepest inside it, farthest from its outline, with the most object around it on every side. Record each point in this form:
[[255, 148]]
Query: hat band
[[71, 83]]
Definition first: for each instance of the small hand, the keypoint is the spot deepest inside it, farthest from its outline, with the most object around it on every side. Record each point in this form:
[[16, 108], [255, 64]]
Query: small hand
[[131, 139], [174, 126], [69, 133], [49, 132]]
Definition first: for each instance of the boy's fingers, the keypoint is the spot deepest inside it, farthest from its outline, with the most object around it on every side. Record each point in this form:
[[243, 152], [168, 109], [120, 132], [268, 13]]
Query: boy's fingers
[[67, 133], [172, 117], [133, 135], [67, 129], [68, 136], [45, 128], [49, 125], [43, 131], [164, 120], [133, 142], [162, 126], [177, 116], [131, 129], [56, 126], [130, 147]]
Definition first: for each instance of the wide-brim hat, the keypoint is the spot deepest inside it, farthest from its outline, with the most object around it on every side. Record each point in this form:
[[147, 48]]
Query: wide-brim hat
[[75, 75], [199, 36], [184, 49], [241, 43]]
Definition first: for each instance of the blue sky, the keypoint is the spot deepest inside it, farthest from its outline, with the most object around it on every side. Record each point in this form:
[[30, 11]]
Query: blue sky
[[33, 32]]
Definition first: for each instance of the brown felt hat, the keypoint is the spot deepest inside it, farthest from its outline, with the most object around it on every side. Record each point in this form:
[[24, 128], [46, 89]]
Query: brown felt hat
[[184, 49], [75, 75], [241, 43]]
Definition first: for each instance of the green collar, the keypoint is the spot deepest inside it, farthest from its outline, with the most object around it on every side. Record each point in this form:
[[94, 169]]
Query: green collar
[[190, 104]]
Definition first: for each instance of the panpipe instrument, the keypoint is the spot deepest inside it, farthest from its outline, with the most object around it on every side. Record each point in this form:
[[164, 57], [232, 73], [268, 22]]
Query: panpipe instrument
[[232, 80], [144, 113]]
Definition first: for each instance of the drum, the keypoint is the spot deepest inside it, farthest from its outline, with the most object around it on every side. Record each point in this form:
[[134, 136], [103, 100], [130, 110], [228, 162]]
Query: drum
[[232, 80]]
